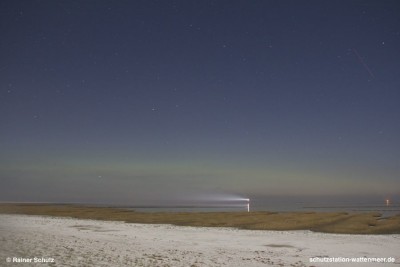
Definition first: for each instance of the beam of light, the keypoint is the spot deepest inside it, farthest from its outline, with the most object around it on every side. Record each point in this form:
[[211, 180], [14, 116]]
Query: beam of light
[[220, 199], [237, 199]]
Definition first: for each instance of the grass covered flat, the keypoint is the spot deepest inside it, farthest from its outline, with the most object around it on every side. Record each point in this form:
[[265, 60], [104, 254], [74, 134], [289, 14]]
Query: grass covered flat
[[328, 222]]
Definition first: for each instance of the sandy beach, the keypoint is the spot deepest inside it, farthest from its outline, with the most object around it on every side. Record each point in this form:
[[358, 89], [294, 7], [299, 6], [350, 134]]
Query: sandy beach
[[78, 242]]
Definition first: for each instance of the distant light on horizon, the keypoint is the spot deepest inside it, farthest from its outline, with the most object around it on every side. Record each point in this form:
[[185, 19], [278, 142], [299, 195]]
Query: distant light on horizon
[[219, 200]]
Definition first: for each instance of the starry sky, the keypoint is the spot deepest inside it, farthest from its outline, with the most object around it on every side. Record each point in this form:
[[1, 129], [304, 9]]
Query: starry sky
[[145, 101]]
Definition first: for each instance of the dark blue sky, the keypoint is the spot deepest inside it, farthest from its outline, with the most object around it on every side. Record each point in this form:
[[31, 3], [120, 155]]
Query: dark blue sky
[[135, 101]]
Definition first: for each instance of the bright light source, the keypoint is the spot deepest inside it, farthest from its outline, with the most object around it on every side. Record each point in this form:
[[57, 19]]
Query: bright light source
[[221, 199]]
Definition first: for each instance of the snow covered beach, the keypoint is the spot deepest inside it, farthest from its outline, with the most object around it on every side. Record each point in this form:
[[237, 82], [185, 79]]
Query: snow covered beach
[[76, 242]]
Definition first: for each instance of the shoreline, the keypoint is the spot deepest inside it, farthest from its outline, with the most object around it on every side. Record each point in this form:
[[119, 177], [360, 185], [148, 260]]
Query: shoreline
[[325, 222]]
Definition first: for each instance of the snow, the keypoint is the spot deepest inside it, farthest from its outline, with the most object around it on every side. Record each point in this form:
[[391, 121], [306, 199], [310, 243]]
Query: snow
[[76, 242]]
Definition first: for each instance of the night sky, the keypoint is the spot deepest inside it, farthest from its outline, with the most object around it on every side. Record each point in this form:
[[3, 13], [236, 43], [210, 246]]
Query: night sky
[[144, 101]]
